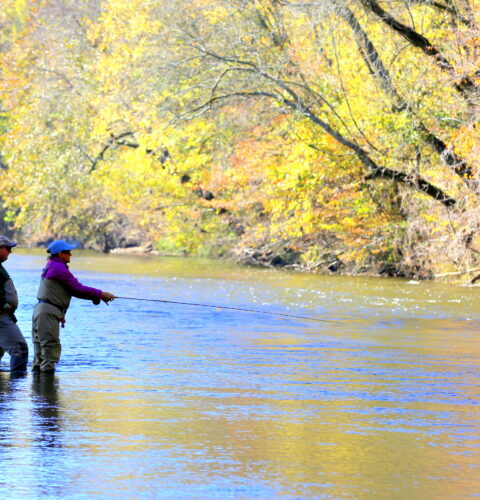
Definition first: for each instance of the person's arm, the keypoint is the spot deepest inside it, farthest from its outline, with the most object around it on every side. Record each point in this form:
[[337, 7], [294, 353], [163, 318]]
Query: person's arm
[[4, 277], [59, 271]]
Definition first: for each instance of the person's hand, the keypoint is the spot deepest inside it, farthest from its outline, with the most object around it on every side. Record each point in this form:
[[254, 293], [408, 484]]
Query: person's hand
[[107, 297]]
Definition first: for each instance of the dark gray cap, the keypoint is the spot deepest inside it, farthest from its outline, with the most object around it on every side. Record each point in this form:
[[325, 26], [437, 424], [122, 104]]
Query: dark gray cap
[[5, 242]]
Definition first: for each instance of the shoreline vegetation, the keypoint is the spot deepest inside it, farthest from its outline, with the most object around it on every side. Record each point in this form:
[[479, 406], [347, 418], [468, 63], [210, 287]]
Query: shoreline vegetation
[[327, 137], [279, 262], [269, 260], [468, 276]]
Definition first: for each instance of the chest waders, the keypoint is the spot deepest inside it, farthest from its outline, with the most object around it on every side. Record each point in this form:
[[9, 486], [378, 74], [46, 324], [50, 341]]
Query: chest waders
[[53, 302]]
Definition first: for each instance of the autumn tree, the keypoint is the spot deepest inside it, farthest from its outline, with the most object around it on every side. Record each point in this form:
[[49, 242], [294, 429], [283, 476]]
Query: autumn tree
[[395, 108], [339, 130]]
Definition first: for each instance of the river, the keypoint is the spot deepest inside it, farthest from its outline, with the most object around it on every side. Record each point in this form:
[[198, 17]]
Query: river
[[154, 400]]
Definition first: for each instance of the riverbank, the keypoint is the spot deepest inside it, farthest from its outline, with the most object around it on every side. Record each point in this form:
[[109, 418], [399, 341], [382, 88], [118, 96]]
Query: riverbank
[[322, 261], [329, 265]]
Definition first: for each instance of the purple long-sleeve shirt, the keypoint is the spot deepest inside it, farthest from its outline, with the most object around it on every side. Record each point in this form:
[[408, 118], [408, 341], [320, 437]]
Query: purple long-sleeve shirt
[[56, 269]]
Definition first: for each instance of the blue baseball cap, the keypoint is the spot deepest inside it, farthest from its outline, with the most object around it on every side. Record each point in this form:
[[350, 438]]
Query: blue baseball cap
[[60, 246]]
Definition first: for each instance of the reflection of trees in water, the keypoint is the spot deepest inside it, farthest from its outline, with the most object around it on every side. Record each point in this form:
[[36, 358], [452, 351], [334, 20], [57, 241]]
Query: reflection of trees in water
[[5, 412], [8, 381], [46, 409], [4, 390], [11, 412]]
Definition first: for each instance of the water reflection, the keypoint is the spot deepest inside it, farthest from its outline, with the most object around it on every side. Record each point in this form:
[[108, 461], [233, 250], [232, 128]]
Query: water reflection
[[156, 401], [46, 410], [6, 382]]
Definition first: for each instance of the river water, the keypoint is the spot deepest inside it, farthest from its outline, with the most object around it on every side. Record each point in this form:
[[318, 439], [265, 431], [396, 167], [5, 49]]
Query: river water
[[155, 400]]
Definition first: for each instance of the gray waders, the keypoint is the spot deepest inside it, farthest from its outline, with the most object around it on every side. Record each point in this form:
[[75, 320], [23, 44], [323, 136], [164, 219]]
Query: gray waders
[[11, 338], [13, 342], [54, 300]]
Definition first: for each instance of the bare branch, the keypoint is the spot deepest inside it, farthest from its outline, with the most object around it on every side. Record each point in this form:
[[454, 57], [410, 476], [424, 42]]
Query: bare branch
[[112, 140], [375, 171], [465, 86], [373, 60]]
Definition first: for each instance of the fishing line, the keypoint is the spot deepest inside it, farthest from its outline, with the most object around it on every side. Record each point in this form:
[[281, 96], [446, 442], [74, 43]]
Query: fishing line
[[232, 309]]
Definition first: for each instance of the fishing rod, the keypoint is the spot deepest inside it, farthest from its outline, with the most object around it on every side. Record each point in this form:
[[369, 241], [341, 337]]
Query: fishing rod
[[232, 309]]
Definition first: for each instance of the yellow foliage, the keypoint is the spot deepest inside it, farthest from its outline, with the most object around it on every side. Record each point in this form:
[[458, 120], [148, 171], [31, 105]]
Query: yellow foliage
[[94, 129]]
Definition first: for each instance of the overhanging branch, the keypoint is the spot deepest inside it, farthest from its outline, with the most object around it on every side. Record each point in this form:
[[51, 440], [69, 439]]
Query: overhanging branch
[[465, 86], [374, 170]]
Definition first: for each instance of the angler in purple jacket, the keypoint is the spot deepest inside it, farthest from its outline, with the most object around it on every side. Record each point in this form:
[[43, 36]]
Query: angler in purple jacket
[[57, 286]]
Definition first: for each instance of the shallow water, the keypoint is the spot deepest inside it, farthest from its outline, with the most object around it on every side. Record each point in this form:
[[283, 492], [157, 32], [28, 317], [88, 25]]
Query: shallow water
[[156, 400]]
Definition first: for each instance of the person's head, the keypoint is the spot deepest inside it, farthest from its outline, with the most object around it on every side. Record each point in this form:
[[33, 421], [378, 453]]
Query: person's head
[[60, 248], [6, 246]]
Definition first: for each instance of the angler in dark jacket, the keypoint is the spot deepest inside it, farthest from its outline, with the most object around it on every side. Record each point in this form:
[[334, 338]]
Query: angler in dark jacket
[[57, 287], [11, 338]]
